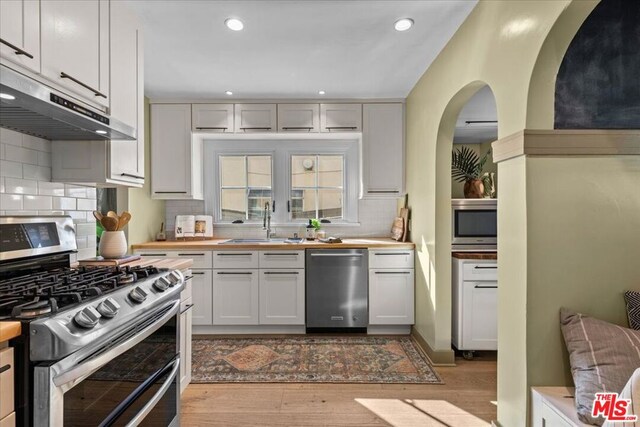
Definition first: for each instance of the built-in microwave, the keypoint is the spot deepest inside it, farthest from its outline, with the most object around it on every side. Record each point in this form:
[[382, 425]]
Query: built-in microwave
[[474, 225]]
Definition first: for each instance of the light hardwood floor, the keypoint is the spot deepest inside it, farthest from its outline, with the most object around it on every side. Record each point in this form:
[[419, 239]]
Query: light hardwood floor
[[465, 400]]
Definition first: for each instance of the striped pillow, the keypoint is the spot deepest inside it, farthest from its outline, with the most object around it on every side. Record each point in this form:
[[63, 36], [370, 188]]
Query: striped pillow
[[602, 355], [632, 298]]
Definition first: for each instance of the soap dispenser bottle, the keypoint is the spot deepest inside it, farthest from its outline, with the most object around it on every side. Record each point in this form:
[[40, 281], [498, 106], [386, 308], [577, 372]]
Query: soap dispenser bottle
[[311, 231]]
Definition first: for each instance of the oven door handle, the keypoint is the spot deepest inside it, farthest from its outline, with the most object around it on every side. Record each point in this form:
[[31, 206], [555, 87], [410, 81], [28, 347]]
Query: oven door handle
[[69, 378], [172, 367]]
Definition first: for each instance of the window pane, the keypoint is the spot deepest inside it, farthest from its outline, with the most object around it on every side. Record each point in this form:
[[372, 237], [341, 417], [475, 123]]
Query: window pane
[[303, 204], [330, 171], [233, 204], [330, 204], [303, 171], [232, 171], [257, 200], [259, 168]]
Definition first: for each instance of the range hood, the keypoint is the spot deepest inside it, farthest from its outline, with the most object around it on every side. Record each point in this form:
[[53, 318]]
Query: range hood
[[30, 107]]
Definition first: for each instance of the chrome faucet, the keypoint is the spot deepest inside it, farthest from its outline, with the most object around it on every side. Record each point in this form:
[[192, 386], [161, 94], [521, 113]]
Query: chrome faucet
[[266, 220]]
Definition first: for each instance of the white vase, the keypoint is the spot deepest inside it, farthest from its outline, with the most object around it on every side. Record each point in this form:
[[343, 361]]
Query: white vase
[[112, 245]]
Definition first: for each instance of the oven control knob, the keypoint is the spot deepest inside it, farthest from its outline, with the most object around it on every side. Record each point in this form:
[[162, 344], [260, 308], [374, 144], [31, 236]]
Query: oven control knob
[[138, 295], [87, 318], [175, 277], [108, 308], [161, 284]]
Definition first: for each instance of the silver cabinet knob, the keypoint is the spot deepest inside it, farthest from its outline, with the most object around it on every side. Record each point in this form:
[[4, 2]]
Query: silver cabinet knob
[[161, 284], [87, 318], [108, 308], [138, 295]]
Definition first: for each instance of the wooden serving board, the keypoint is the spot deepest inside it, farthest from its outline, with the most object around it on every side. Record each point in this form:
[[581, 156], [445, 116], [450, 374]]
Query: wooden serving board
[[104, 262], [397, 229], [404, 214]]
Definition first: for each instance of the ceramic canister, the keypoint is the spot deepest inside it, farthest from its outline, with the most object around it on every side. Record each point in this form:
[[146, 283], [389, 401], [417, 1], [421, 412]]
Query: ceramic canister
[[113, 244]]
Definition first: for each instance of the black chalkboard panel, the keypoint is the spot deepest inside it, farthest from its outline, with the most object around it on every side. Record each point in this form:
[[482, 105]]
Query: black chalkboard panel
[[598, 84]]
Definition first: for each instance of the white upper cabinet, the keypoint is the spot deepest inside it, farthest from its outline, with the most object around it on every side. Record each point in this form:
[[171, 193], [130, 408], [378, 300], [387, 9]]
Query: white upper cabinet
[[298, 117], [126, 158], [176, 161], [383, 148], [255, 118], [340, 117], [212, 117], [20, 32], [75, 47]]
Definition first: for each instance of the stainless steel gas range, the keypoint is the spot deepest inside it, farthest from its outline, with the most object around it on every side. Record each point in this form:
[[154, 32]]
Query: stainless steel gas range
[[99, 345]]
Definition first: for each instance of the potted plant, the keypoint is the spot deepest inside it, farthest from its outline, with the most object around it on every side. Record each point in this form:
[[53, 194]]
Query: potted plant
[[467, 167]]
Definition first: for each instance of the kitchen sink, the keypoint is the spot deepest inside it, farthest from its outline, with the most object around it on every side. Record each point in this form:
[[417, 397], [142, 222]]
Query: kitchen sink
[[251, 241]]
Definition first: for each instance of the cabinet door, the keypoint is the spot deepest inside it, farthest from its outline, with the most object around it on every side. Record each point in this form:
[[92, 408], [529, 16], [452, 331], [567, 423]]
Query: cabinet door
[[212, 117], [20, 32], [391, 297], [340, 117], [235, 297], [282, 297], [299, 118], [126, 158], [186, 318], [171, 150], [202, 291], [75, 46], [255, 117], [383, 148], [479, 316]]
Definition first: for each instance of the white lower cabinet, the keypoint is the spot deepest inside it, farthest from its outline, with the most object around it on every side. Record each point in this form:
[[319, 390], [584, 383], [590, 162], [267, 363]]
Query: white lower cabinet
[[186, 318], [475, 305], [391, 297], [202, 291], [235, 297], [282, 297]]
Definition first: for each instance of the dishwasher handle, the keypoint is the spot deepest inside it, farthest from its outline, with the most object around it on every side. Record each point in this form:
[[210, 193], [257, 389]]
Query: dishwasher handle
[[338, 255]]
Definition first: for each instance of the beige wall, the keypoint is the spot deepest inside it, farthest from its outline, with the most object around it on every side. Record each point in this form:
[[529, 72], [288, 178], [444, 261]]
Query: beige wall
[[146, 214], [499, 44]]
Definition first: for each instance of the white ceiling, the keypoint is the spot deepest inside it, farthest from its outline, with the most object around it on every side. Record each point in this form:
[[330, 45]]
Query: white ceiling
[[481, 107], [292, 49]]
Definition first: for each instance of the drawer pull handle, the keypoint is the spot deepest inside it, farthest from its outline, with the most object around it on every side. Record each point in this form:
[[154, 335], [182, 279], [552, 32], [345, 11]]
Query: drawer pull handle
[[17, 50], [153, 254], [480, 267], [338, 255], [132, 175], [280, 254], [211, 128], [191, 254], [255, 128], [393, 272], [485, 286], [170, 192], [297, 128], [235, 272], [187, 308], [64, 75], [5, 368], [199, 273], [341, 127], [391, 253], [281, 272], [236, 254]]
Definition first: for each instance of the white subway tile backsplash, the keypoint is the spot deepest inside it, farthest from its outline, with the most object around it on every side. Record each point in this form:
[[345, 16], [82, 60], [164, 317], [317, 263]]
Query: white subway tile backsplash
[[10, 202], [77, 216], [2, 151], [19, 154], [10, 137], [39, 173], [91, 193], [75, 191], [20, 186], [84, 230], [81, 242], [2, 184], [12, 169], [86, 205], [51, 189], [86, 253], [64, 203], [44, 159], [36, 143], [37, 202]]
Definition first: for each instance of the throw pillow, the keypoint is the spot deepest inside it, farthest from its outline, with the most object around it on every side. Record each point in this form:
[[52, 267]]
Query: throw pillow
[[632, 299], [602, 355]]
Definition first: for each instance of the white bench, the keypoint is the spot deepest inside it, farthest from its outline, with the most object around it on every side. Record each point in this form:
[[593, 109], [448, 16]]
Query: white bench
[[554, 407]]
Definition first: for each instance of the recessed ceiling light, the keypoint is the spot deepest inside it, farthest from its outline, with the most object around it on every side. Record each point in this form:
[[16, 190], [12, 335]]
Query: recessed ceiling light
[[403, 24], [7, 96], [101, 132], [229, 93], [234, 24], [321, 92]]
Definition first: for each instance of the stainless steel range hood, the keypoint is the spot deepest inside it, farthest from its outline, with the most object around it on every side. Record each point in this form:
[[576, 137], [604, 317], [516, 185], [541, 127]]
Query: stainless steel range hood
[[33, 108]]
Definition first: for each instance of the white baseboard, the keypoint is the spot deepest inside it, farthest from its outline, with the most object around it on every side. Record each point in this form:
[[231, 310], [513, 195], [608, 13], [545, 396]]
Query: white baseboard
[[248, 330], [389, 329]]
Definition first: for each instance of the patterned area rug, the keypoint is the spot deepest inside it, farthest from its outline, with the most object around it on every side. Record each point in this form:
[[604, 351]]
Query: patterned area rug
[[388, 360]]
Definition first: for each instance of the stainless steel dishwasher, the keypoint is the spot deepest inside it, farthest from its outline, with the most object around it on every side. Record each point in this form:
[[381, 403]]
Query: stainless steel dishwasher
[[337, 288]]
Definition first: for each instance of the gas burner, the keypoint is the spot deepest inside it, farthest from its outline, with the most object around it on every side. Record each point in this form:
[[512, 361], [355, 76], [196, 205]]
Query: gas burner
[[34, 308]]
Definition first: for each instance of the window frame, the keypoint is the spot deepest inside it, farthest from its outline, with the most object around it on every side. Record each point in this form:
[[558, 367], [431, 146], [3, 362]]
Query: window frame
[[281, 150]]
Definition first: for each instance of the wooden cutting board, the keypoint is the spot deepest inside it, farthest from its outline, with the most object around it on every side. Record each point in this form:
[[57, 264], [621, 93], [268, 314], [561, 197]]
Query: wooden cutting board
[[104, 262], [397, 229], [404, 214]]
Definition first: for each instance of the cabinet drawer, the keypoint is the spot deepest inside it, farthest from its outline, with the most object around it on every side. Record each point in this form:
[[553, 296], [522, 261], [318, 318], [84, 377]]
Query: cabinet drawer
[[235, 259], [480, 271], [187, 291], [201, 259], [551, 418], [6, 382], [282, 259], [390, 258]]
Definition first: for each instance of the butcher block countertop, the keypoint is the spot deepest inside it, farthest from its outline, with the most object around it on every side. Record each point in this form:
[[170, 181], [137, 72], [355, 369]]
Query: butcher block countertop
[[475, 255], [170, 263], [9, 330], [214, 244]]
